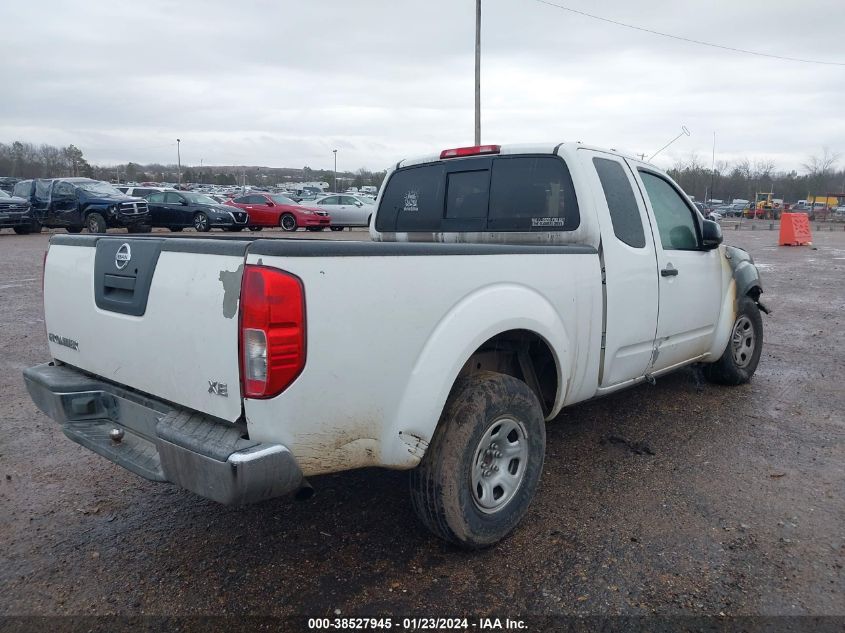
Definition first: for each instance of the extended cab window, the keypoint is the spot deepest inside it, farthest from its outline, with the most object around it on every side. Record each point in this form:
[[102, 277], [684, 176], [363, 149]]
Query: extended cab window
[[530, 193], [624, 212], [678, 230]]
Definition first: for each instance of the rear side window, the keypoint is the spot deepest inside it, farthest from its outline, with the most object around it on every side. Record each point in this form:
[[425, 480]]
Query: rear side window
[[624, 212], [532, 193]]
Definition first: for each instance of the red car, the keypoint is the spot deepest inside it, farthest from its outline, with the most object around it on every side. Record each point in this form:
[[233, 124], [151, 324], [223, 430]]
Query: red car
[[271, 209]]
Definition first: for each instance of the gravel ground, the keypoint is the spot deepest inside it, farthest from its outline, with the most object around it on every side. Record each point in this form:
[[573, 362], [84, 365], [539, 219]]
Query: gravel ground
[[678, 499]]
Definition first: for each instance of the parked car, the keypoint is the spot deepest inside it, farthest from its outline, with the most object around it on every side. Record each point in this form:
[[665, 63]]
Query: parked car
[[207, 369], [141, 192], [274, 209], [176, 210], [7, 184], [77, 203], [15, 213], [346, 210], [839, 212], [715, 216]]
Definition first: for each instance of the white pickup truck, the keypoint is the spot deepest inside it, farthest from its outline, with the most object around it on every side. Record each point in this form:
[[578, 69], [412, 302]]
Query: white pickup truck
[[500, 285]]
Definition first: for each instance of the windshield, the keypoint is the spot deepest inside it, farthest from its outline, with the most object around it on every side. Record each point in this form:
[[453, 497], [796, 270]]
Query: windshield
[[282, 199], [103, 188], [198, 198]]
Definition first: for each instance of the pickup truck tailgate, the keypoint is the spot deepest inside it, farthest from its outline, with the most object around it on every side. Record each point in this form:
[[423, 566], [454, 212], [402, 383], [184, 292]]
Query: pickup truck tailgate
[[159, 315]]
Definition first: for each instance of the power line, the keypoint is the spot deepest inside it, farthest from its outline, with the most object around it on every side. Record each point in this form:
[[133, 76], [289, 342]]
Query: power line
[[689, 40]]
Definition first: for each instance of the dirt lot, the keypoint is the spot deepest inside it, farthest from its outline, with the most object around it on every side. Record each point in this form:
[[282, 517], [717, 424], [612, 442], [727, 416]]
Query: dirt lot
[[679, 498]]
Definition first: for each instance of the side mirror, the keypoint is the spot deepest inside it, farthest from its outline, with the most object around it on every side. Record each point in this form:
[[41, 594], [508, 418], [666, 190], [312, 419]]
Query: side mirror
[[270, 203], [711, 234], [359, 204]]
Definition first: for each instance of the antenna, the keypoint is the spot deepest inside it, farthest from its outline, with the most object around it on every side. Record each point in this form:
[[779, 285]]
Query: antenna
[[684, 132]]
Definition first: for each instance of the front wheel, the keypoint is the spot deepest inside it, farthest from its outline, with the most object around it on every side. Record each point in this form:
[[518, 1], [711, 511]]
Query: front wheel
[[288, 222], [201, 223], [336, 228], [255, 228], [483, 464], [95, 223], [739, 361], [139, 228], [74, 229]]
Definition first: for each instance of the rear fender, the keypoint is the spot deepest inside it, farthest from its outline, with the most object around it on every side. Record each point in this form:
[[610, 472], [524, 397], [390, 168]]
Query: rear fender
[[477, 318]]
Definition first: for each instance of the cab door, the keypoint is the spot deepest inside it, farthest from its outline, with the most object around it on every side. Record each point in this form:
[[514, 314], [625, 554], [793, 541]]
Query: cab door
[[629, 264], [64, 205], [690, 276]]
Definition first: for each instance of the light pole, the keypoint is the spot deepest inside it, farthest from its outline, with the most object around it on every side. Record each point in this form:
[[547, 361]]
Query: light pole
[[335, 170], [478, 72], [179, 160]]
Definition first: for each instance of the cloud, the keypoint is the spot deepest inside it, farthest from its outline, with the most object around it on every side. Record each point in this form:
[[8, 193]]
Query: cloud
[[285, 83]]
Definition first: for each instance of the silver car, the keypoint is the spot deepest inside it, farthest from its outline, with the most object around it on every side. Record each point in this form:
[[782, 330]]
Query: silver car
[[346, 210]]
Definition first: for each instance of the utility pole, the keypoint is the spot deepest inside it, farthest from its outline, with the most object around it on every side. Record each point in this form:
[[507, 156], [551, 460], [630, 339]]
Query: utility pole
[[179, 160], [335, 170], [478, 72]]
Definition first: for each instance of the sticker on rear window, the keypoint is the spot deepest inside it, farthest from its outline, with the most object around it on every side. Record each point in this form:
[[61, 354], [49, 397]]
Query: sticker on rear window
[[411, 201], [544, 222]]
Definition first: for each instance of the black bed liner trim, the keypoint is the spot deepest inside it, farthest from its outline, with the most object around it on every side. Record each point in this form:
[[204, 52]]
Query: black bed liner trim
[[295, 247]]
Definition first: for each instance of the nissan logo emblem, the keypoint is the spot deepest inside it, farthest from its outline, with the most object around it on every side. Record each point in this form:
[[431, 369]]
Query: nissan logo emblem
[[122, 257]]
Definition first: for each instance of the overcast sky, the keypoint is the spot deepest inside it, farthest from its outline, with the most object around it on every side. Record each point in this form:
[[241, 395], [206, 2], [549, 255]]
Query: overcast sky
[[283, 83]]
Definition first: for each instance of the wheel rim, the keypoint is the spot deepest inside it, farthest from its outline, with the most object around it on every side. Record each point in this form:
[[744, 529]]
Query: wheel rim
[[93, 225], [499, 465], [743, 341], [288, 223], [200, 222]]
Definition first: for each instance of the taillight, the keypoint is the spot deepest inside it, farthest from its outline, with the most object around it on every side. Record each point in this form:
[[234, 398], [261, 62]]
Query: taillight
[[272, 332], [475, 150]]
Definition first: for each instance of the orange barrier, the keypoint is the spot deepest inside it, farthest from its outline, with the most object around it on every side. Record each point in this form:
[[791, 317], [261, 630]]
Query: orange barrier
[[794, 230]]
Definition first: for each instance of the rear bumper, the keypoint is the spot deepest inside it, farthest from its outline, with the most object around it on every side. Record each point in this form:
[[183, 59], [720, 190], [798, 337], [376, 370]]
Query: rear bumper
[[161, 442]]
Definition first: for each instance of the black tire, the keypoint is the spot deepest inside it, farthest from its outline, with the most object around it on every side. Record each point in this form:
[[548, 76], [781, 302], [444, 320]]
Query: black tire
[[739, 361], [336, 228], [74, 229], [201, 223], [442, 490], [139, 228], [288, 222], [235, 229], [176, 229], [21, 230], [96, 223], [255, 228], [315, 229]]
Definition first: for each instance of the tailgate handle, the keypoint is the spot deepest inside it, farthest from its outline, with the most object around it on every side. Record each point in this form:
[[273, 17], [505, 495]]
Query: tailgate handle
[[118, 282]]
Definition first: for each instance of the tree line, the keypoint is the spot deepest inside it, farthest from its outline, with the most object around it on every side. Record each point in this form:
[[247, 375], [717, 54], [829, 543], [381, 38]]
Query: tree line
[[26, 160], [724, 181], [744, 178]]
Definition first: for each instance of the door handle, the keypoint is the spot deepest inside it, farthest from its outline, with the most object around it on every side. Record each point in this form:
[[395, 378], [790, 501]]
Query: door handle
[[669, 272]]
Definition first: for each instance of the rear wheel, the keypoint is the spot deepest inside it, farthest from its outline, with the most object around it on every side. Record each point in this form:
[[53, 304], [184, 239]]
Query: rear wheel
[[95, 223], [255, 228], [336, 228], [201, 222], [74, 229], [483, 464], [742, 355], [288, 222]]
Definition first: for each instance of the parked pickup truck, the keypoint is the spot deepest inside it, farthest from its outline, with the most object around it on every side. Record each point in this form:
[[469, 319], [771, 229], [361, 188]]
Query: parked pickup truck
[[501, 285], [15, 213], [77, 203]]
